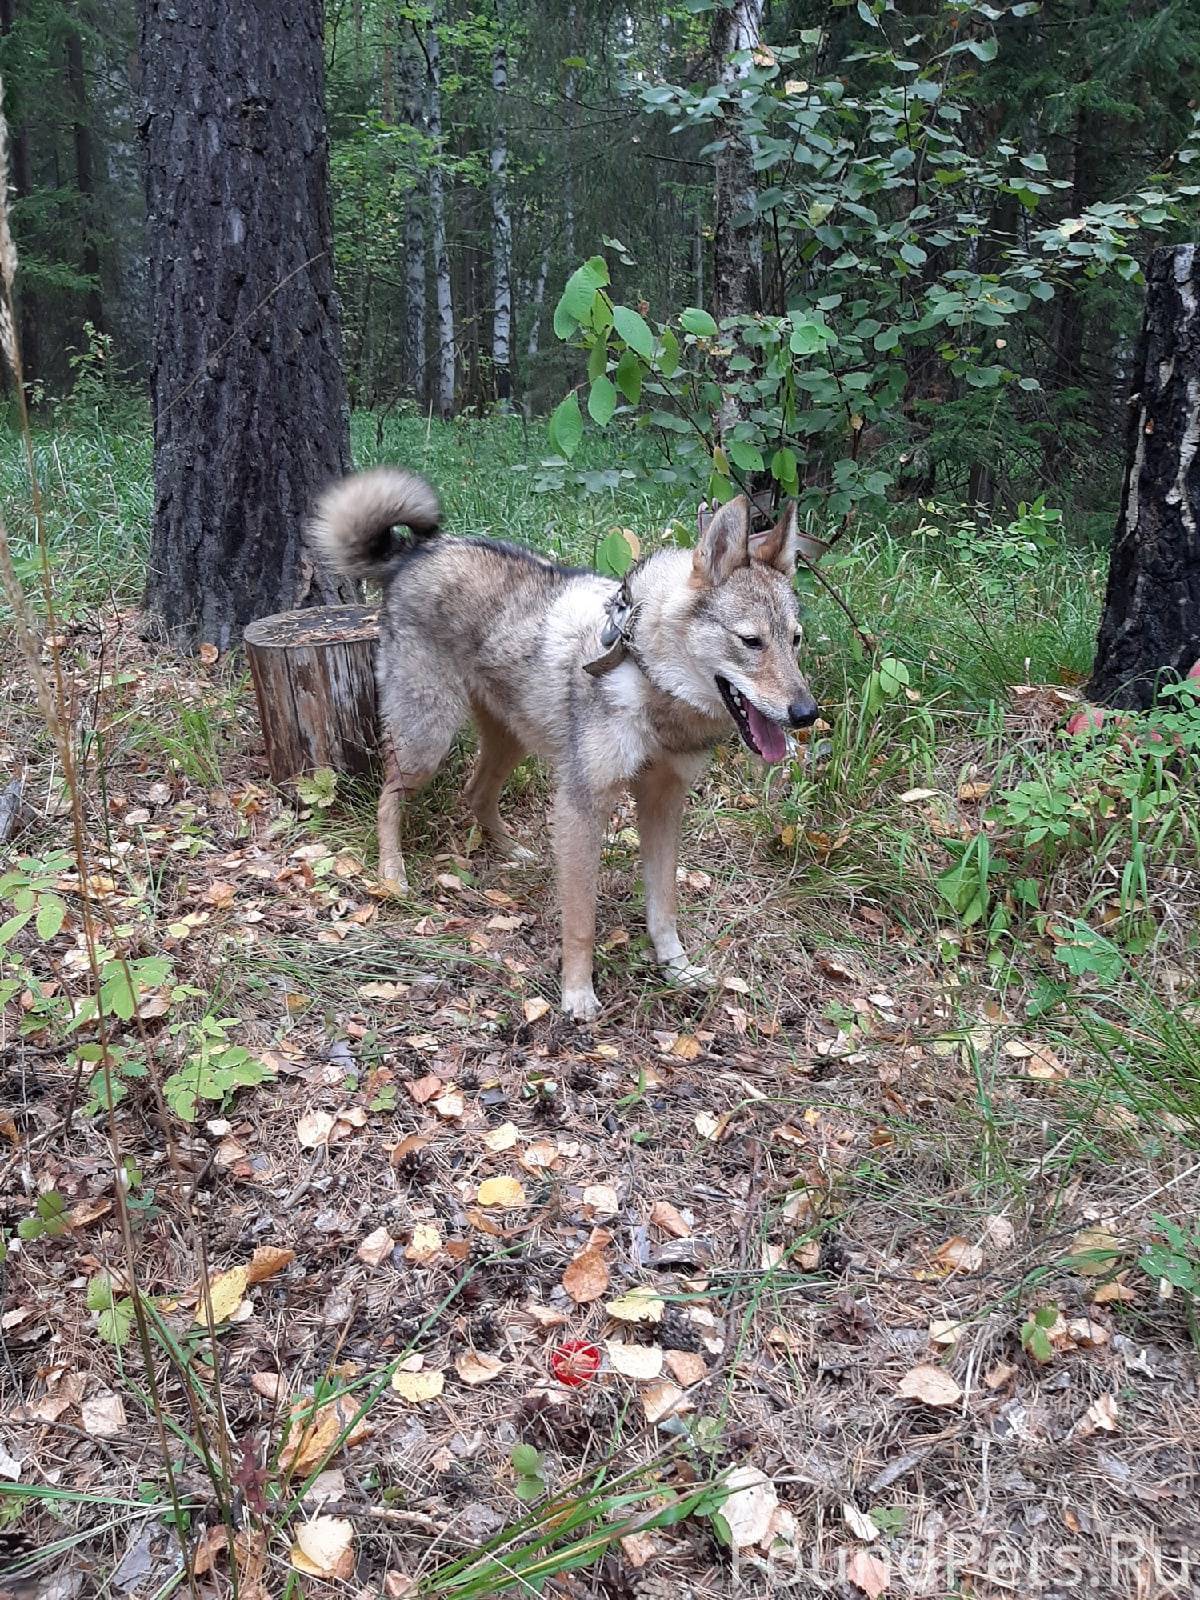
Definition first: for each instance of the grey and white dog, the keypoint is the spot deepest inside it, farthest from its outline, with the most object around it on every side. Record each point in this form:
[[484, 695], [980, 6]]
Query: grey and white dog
[[617, 685]]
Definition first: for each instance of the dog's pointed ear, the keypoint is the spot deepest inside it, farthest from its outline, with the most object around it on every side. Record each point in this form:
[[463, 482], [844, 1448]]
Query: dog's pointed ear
[[779, 547], [724, 545]]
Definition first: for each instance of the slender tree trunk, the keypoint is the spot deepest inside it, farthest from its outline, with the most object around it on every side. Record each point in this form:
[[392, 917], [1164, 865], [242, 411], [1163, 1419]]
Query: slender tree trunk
[[246, 386], [736, 27], [444, 374], [416, 265], [1150, 630], [568, 176], [28, 311], [85, 179], [501, 235]]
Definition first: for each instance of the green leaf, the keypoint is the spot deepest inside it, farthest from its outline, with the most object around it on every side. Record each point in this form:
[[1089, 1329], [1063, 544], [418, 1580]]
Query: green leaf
[[526, 1460], [602, 401], [635, 330], [575, 302], [745, 455], [50, 917], [613, 555], [886, 339], [784, 468], [597, 359], [320, 789], [984, 49], [629, 377], [13, 926], [810, 336], [668, 361], [913, 254], [99, 1292], [698, 322], [114, 1325], [566, 426]]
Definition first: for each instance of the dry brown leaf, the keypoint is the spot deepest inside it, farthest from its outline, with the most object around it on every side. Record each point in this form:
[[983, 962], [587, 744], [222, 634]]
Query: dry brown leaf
[[408, 1146], [424, 1089], [868, 1573], [686, 1366], [975, 790], [312, 1435], [103, 1415], [226, 1292], [1102, 1413], [209, 654], [747, 1512], [474, 1367], [1096, 1252], [638, 1549], [641, 1361], [859, 1522], [959, 1255], [211, 1543], [539, 1156], [313, 1129], [501, 1194], [639, 1305], [418, 1388], [324, 1548], [1115, 1292], [1044, 1065], [686, 1047], [270, 1385], [661, 1400], [586, 1278], [501, 1138], [601, 1198], [997, 1376], [376, 1247], [946, 1331], [535, 1008], [450, 1105], [267, 1260], [664, 1215], [932, 1385]]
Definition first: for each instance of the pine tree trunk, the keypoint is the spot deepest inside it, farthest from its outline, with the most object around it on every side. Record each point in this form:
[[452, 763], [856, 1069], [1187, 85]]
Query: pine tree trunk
[[246, 386], [1150, 631], [501, 235], [444, 367], [85, 179], [28, 314]]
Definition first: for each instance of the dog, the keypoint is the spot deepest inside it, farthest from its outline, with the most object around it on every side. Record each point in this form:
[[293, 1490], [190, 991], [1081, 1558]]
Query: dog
[[618, 685]]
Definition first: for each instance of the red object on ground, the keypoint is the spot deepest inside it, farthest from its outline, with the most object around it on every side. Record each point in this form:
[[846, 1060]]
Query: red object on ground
[[575, 1362]]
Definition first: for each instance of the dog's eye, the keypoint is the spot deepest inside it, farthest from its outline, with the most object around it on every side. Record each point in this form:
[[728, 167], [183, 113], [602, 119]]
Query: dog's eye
[[751, 641]]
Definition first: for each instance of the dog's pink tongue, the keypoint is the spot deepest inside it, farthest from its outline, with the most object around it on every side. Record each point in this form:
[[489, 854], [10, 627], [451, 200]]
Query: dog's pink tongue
[[768, 736]]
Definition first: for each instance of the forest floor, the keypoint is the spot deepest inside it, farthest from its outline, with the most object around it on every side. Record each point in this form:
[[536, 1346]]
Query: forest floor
[[873, 1271]]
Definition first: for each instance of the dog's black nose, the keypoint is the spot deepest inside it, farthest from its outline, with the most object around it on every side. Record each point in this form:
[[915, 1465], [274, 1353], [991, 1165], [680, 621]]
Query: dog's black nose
[[802, 712]]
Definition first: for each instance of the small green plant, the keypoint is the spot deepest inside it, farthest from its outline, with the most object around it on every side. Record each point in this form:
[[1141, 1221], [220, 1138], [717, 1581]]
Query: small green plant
[[1035, 1333], [49, 1219], [887, 682], [115, 1316], [530, 1467], [319, 790], [1176, 1258], [215, 1069], [115, 1065]]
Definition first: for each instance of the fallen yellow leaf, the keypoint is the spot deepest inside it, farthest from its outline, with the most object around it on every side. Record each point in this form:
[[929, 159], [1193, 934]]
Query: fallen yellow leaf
[[225, 1292], [501, 1194]]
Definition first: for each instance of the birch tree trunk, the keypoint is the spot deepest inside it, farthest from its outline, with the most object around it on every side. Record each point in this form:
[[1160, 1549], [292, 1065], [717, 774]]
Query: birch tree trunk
[[443, 396], [416, 265], [246, 387], [1150, 630], [736, 27], [501, 234], [85, 177]]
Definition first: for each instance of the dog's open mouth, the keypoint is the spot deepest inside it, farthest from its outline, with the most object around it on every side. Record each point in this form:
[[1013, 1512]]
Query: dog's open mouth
[[766, 738]]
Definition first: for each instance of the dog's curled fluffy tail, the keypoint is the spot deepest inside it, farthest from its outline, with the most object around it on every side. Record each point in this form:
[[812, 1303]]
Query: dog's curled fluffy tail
[[352, 528]]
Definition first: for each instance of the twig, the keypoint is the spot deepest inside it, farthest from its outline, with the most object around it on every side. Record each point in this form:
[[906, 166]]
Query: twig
[[106, 1450]]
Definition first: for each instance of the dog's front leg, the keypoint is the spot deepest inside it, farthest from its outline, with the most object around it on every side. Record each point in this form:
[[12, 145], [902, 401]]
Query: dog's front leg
[[578, 839], [661, 792]]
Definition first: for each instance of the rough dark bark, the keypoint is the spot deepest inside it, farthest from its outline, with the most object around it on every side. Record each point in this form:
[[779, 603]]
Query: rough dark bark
[[28, 314], [246, 385], [735, 29], [1150, 631], [314, 680], [85, 179]]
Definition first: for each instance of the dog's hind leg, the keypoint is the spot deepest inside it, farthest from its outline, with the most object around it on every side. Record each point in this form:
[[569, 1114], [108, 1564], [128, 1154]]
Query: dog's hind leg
[[661, 792], [417, 734], [499, 753]]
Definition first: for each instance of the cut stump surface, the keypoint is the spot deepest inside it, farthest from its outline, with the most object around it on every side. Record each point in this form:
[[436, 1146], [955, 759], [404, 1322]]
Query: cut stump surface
[[314, 679]]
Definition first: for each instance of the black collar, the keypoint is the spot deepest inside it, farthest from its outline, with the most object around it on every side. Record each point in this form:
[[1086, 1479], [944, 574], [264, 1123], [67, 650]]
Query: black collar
[[616, 636]]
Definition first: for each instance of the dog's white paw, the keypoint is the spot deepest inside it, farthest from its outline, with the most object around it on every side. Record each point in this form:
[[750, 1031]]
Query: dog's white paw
[[685, 974], [581, 1004]]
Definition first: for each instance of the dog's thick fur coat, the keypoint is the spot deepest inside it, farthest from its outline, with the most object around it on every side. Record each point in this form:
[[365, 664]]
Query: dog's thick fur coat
[[473, 628]]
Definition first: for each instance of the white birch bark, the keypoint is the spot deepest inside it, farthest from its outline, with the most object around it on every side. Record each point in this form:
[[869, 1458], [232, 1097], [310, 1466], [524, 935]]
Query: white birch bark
[[443, 395], [501, 234]]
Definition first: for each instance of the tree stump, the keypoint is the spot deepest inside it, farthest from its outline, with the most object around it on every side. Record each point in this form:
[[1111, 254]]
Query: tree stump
[[314, 679], [1150, 631]]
